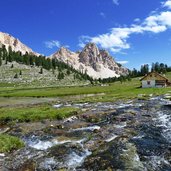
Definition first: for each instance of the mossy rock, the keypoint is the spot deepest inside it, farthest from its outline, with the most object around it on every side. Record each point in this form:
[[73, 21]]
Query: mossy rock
[[131, 159]]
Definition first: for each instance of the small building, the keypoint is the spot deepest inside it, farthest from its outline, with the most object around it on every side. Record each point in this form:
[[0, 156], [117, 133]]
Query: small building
[[154, 79]]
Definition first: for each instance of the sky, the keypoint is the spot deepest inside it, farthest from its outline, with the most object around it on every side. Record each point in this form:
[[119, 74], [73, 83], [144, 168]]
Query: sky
[[135, 32]]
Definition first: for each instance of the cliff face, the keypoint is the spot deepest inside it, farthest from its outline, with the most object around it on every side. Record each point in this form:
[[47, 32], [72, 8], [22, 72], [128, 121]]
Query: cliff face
[[90, 56], [15, 44], [97, 63]]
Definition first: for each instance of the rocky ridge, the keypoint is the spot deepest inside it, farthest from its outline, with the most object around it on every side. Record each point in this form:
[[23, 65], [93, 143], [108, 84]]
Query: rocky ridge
[[16, 45]]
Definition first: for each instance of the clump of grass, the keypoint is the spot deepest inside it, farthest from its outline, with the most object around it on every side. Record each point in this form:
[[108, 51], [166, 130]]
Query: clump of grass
[[36, 113], [9, 143]]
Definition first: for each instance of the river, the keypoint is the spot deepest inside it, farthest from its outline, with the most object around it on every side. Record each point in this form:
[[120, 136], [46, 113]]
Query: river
[[129, 136]]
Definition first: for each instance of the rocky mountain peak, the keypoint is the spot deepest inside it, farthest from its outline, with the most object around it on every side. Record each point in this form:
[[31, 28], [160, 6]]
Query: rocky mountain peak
[[90, 55], [65, 55], [64, 51], [95, 62], [16, 45], [91, 46], [91, 49]]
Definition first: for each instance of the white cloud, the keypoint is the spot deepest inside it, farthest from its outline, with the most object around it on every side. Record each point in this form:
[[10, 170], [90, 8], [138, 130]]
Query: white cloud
[[162, 19], [122, 62], [53, 43], [102, 14], [83, 40], [67, 46], [137, 20], [117, 39], [167, 4], [116, 2]]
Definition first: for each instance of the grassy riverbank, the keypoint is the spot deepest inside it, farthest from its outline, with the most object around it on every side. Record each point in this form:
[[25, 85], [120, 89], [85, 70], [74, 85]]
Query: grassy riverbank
[[34, 113]]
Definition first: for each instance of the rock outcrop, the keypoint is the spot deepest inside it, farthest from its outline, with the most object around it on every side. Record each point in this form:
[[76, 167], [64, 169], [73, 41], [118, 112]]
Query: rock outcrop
[[66, 56]]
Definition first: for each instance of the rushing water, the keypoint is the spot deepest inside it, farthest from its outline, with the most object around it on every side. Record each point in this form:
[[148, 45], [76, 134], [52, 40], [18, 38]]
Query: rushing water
[[135, 135]]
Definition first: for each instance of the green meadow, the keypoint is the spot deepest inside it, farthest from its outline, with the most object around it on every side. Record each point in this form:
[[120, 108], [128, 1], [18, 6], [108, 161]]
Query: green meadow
[[113, 91], [28, 112]]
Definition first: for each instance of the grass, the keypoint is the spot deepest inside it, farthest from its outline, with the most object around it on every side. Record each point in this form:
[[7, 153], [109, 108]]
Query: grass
[[126, 94], [9, 143], [34, 113], [31, 84], [32, 78], [168, 75], [65, 91], [115, 91]]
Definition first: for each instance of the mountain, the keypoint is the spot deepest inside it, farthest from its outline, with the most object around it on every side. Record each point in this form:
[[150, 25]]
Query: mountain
[[16, 45], [95, 62]]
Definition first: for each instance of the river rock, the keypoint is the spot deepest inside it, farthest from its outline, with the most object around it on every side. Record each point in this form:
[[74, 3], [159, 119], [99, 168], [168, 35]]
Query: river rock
[[130, 158], [20, 159], [4, 130]]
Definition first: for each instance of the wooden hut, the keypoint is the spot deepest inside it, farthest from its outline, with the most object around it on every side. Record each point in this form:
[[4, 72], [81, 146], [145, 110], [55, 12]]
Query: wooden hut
[[154, 79]]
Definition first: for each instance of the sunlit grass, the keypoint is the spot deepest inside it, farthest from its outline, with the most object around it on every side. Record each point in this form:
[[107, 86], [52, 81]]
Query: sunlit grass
[[34, 113], [114, 91], [9, 143]]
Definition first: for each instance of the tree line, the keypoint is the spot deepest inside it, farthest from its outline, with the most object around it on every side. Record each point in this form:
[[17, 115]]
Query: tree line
[[157, 67], [161, 68]]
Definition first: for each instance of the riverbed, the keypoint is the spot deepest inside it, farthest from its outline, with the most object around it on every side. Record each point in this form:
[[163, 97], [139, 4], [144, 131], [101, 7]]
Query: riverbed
[[131, 136]]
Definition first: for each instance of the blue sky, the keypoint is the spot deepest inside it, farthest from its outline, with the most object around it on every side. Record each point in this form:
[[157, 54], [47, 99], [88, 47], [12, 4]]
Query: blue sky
[[134, 31]]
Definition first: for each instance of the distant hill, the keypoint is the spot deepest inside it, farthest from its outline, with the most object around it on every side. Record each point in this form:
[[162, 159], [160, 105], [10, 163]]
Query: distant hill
[[21, 75]]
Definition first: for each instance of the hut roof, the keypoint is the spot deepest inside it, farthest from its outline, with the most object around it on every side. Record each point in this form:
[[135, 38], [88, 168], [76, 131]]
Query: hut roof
[[154, 73]]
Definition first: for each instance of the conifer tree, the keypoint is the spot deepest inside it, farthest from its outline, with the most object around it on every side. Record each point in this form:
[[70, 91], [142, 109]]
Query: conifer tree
[[4, 52], [41, 71], [0, 61], [10, 54], [16, 75], [53, 71], [68, 72], [61, 75]]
